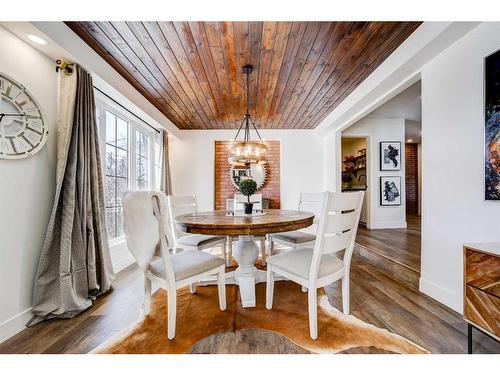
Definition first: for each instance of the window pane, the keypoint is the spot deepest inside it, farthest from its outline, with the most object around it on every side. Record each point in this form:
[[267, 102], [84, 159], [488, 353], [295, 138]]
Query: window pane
[[109, 192], [110, 223], [142, 144], [119, 222], [121, 163], [121, 133], [121, 189], [142, 172], [110, 160], [110, 128]]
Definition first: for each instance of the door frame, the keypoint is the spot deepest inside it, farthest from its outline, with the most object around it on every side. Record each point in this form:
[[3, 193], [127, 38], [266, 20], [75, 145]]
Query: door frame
[[369, 182]]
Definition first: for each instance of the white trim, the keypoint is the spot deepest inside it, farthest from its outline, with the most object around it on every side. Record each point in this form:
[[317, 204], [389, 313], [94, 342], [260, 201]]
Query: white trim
[[389, 225], [14, 325], [440, 294]]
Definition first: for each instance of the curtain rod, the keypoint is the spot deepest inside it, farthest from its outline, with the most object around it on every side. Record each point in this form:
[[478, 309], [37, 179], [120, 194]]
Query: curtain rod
[[128, 110]]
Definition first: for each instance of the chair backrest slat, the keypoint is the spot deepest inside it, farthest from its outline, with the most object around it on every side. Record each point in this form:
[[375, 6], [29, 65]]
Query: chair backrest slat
[[344, 201], [335, 242], [337, 227], [312, 202], [338, 222], [180, 205]]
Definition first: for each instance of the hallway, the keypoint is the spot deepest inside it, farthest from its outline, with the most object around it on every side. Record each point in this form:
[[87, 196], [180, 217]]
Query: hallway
[[395, 252]]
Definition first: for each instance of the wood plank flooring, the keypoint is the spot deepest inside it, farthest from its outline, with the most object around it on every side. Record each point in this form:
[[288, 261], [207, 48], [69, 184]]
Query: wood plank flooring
[[375, 298], [400, 245]]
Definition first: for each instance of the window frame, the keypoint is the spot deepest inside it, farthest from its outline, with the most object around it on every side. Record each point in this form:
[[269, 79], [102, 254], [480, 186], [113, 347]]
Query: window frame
[[104, 104]]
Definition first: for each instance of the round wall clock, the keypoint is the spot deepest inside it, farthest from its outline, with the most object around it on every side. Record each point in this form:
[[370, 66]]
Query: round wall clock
[[22, 129]]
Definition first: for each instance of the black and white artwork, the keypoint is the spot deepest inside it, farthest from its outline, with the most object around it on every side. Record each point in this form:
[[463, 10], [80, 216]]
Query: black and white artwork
[[390, 156], [390, 191]]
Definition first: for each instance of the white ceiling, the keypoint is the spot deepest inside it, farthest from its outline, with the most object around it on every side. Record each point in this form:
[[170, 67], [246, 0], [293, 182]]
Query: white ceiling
[[407, 105]]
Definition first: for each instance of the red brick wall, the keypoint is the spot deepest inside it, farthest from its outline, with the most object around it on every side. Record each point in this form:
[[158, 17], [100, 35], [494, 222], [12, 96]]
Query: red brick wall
[[223, 188], [411, 178]]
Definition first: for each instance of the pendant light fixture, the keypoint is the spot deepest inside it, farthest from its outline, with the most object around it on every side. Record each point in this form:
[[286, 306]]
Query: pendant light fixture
[[246, 151]]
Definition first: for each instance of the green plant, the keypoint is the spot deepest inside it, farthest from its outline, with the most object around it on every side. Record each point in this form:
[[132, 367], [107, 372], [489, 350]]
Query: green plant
[[248, 187]]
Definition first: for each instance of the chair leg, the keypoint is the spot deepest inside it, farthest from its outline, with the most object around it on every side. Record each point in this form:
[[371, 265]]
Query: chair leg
[[192, 288], [345, 294], [172, 312], [263, 250], [271, 247], [146, 307], [313, 312], [224, 251], [229, 256], [269, 287], [221, 286]]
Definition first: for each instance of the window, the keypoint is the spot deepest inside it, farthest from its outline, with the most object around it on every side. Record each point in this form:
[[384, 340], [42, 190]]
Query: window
[[116, 172], [142, 160], [127, 147]]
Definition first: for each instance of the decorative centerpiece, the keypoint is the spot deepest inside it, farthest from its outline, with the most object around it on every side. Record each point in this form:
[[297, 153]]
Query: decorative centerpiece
[[248, 187]]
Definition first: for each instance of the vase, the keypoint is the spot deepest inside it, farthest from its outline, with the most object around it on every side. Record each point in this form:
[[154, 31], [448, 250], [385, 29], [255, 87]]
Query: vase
[[248, 208]]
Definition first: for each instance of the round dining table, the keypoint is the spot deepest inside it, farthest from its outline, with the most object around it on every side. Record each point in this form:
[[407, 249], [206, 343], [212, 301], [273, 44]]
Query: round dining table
[[246, 250]]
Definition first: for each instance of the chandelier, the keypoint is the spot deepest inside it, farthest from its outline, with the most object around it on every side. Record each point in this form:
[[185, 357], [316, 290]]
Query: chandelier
[[247, 152]]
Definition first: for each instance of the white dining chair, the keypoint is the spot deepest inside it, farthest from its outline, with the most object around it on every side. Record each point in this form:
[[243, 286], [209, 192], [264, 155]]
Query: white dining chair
[[311, 202], [150, 240], [237, 204], [318, 266], [181, 205]]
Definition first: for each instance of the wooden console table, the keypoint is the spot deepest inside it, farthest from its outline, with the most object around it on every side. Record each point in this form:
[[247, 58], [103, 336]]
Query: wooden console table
[[482, 289]]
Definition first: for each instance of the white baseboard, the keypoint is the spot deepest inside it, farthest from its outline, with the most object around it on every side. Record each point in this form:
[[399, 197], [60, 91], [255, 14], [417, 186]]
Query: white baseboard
[[389, 225], [14, 325], [443, 295], [121, 259]]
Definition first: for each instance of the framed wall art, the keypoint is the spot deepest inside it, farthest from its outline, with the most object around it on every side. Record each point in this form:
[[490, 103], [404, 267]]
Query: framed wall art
[[390, 191], [390, 156], [492, 127]]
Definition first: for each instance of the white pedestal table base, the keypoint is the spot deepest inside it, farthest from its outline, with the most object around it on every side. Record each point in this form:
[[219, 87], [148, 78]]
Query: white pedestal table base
[[246, 252]]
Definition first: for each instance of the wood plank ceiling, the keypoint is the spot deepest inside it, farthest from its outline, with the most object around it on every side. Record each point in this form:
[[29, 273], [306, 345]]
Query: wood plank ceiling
[[191, 71]]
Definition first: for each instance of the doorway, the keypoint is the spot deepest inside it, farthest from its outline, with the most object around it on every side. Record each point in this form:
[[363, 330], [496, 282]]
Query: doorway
[[392, 239], [355, 169]]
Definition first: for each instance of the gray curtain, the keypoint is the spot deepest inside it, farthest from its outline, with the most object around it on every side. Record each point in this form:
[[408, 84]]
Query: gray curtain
[[166, 178], [75, 264]]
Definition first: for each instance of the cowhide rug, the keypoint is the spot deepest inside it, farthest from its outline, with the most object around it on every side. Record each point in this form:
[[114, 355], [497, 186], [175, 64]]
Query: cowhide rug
[[198, 317]]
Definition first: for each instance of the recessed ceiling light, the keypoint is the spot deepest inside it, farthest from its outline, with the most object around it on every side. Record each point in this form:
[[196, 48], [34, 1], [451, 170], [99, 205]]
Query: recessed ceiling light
[[409, 140], [37, 39]]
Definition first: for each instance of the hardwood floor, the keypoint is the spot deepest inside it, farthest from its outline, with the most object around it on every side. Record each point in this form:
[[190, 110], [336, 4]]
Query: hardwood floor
[[401, 245], [375, 298]]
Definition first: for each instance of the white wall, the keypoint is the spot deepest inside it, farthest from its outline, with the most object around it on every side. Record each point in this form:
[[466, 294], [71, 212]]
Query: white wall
[[453, 209], [192, 163], [379, 130], [26, 188]]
